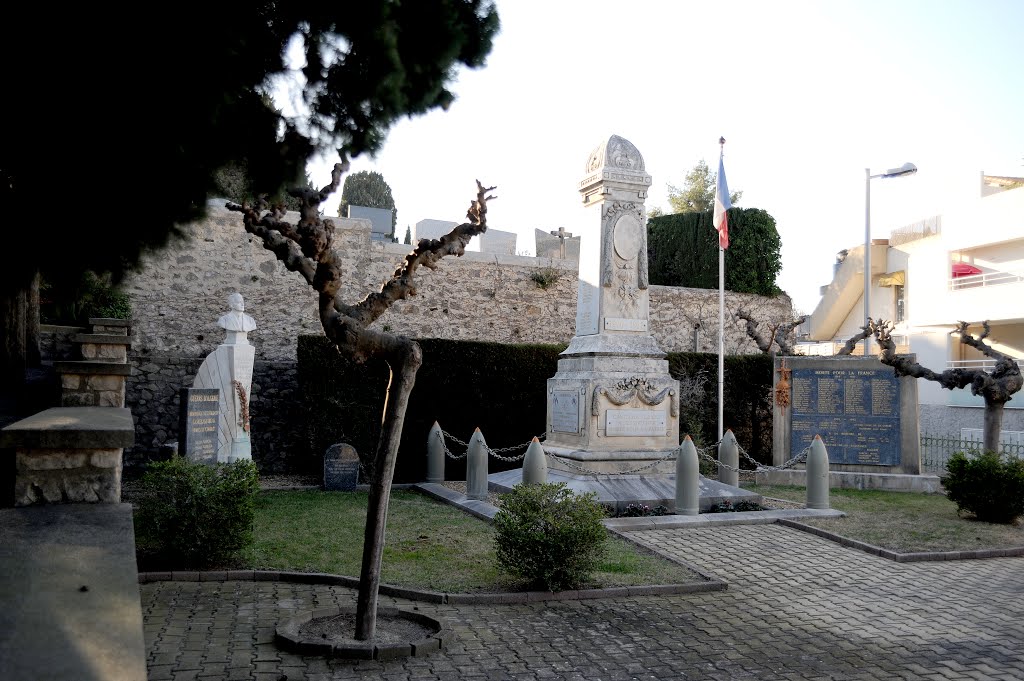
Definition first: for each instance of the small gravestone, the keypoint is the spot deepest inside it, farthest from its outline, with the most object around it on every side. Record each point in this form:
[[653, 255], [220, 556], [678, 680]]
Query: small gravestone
[[341, 468], [200, 423]]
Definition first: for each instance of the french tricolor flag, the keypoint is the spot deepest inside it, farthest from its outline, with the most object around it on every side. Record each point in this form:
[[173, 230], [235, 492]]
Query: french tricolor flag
[[722, 204]]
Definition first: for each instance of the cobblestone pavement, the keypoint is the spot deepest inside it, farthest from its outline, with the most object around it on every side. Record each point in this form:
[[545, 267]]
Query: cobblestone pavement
[[797, 607]]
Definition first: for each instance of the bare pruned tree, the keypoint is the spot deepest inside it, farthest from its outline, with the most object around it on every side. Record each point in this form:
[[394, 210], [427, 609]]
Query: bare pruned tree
[[780, 334], [307, 248], [865, 331], [996, 386]]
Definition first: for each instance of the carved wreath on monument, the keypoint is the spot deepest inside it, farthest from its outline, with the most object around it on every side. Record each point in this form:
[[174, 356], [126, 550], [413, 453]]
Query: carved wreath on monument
[[636, 387]]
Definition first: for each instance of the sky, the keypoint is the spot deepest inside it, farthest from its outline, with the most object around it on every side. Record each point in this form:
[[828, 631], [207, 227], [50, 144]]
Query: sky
[[807, 94]]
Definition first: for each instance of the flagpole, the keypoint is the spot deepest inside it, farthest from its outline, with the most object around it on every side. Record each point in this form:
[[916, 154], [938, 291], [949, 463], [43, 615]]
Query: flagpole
[[721, 317]]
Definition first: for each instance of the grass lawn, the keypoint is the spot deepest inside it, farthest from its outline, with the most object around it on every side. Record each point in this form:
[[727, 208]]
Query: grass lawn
[[903, 521], [429, 545]]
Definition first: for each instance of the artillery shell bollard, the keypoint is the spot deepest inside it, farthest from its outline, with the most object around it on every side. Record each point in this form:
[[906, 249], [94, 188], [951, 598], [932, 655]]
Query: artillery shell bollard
[[435, 454], [687, 480], [729, 458], [817, 475], [535, 465], [476, 467]]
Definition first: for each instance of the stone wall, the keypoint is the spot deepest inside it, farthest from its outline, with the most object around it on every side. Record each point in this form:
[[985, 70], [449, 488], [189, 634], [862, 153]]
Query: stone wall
[[154, 398], [179, 293]]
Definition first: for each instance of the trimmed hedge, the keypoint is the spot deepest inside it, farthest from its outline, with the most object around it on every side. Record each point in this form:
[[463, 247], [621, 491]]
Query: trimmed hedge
[[683, 251], [748, 407], [462, 385], [497, 387]]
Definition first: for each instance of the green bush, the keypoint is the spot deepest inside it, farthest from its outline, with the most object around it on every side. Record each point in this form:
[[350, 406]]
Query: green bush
[[193, 515], [986, 485], [549, 535]]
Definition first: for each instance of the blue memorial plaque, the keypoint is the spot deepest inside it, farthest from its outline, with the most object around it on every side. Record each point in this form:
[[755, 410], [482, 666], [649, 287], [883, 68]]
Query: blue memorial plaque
[[855, 411]]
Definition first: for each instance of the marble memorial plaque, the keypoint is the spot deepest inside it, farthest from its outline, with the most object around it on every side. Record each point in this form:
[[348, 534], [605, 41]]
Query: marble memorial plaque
[[199, 423], [855, 411], [588, 294], [634, 422], [624, 324], [565, 411]]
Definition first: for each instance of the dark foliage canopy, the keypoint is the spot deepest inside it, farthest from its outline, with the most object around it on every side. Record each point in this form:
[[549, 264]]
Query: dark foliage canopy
[[118, 125], [683, 251]]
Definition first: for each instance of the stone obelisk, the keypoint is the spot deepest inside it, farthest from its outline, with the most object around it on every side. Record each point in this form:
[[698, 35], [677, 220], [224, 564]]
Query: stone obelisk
[[612, 406]]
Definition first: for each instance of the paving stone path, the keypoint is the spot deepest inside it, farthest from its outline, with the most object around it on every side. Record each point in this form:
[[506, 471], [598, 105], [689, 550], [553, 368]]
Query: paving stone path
[[797, 607]]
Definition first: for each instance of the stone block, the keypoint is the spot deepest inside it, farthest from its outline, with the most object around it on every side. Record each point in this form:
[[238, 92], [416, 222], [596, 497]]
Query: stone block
[[46, 459], [100, 382], [82, 398], [116, 353], [71, 428], [105, 458], [70, 382], [76, 485], [110, 398]]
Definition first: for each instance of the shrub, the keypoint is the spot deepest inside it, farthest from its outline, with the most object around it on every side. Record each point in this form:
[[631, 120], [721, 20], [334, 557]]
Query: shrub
[[549, 535], [194, 515], [987, 486]]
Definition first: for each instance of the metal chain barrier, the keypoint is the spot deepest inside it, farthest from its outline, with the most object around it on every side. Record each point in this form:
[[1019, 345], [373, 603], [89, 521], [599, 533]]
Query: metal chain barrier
[[703, 452], [493, 452], [758, 466]]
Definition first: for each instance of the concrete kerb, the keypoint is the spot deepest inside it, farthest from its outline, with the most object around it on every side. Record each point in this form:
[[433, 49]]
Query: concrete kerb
[[435, 597], [895, 556]]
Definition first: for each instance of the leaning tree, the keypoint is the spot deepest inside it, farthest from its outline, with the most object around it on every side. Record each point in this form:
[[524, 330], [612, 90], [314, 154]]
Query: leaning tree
[[996, 386], [307, 248]]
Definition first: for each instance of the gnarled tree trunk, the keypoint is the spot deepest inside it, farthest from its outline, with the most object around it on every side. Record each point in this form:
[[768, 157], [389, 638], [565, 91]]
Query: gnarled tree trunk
[[306, 248], [996, 387]]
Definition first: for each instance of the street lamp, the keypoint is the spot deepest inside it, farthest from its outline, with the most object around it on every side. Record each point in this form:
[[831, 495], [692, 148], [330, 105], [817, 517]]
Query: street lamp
[[903, 170]]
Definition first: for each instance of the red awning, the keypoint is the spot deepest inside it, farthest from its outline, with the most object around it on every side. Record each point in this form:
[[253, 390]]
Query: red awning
[[962, 269]]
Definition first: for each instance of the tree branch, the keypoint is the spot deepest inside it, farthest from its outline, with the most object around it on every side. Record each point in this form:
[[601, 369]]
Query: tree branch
[[865, 331], [427, 253], [763, 344], [784, 335]]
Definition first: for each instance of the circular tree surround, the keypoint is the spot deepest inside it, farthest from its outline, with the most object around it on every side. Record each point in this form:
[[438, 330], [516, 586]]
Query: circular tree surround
[[329, 632]]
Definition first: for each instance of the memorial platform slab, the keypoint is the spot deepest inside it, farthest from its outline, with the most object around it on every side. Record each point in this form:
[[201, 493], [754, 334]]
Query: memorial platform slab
[[70, 594]]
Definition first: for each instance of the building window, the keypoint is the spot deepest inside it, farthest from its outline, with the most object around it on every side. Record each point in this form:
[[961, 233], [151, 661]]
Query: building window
[[901, 302]]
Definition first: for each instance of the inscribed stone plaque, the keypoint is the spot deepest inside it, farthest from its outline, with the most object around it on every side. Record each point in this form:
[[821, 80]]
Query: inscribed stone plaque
[[565, 411], [341, 468], [624, 324], [855, 411], [588, 294], [198, 424], [639, 422]]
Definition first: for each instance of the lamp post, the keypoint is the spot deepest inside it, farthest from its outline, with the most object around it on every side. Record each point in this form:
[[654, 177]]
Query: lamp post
[[905, 169]]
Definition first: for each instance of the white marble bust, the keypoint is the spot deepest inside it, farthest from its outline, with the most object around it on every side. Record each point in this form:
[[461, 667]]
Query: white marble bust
[[236, 322]]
